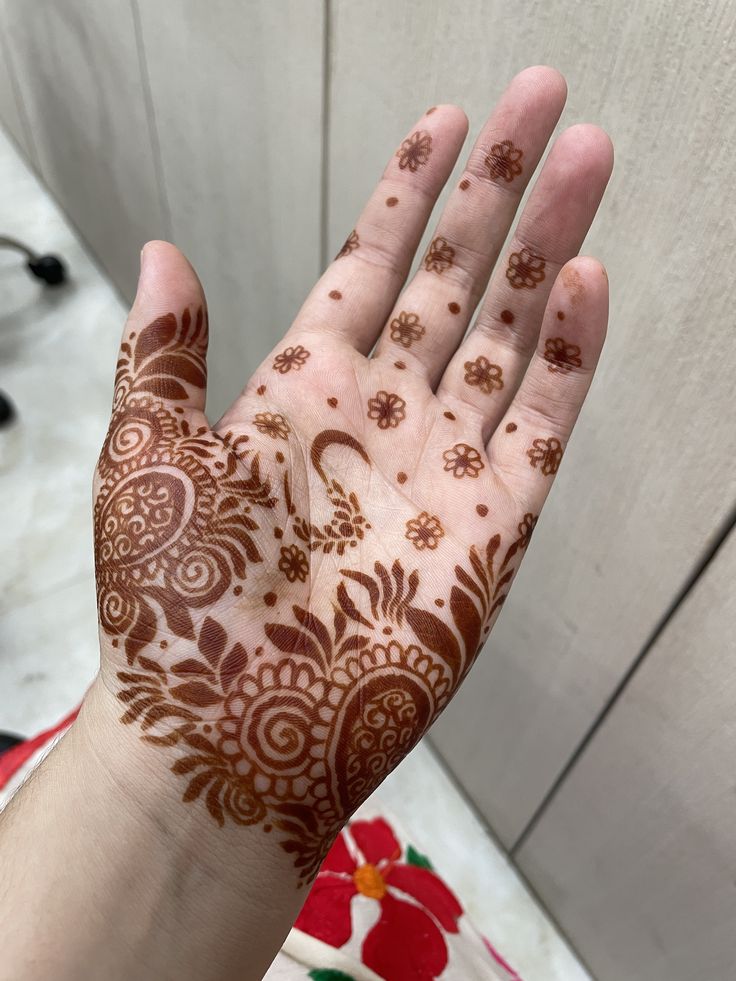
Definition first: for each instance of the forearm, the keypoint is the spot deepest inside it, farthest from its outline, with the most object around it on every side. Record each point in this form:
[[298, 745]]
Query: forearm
[[106, 874]]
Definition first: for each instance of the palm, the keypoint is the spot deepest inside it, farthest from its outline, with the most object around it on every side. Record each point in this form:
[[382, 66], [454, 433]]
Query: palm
[[290, 597]]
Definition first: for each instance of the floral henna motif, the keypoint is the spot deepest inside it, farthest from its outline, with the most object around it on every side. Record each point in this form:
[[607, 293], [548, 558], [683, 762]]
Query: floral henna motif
[[406, 328], [463, 461], [525, 270], [547, 453], [292, 357], [560, 355], [424, 531], [305, 735], [388, 409], [414, 152], [272, 424], [293, 563], [483, 375], [504, 161], [440, 256], [351, 243]]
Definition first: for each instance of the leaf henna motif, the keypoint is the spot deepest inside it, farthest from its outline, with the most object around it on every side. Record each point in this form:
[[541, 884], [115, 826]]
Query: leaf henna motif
[[292, 729]]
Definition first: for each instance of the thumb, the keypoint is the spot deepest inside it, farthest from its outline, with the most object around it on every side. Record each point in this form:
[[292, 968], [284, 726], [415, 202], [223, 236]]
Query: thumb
[[164, 346]]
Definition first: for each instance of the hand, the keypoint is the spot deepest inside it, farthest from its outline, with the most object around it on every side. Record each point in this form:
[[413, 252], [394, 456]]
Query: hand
[[289, 598]]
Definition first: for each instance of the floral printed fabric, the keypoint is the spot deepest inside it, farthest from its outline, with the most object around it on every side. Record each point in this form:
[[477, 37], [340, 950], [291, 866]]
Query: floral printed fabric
[[378, 910]]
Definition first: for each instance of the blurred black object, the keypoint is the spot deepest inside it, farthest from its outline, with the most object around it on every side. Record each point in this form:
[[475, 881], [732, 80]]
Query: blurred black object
[[7, 410], [48, 268], [8, 740]]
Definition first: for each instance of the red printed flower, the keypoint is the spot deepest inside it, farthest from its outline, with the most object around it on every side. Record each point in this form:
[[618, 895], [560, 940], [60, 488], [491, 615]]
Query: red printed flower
[[407, 942]]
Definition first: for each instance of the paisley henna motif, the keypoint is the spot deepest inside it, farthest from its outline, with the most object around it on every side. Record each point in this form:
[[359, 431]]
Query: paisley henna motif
[[290, 723]]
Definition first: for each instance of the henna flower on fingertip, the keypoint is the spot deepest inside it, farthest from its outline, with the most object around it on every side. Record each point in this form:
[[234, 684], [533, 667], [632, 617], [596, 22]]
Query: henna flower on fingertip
[[483, 375], [414, 151], [463, 461], [561, 356], [525, 269]]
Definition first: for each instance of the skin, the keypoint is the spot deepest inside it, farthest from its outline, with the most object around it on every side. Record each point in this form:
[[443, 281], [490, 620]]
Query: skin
[[289, 598]]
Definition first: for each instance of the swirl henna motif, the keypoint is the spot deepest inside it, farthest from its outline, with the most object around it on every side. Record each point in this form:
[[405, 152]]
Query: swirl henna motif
[[288, 724]]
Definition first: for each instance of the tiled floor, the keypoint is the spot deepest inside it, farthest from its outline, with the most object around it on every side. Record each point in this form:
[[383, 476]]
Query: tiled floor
[[57, 350]]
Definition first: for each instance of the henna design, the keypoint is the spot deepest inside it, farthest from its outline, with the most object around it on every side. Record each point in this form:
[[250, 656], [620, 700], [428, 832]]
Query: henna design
[[406, 328], [304, 737], [401, 477], [430, 111], [463, 461], [481, 509], [414, 151], [560, 355], [388, 409], [272, 424], [507, 316], [504, 161], [400, 365], [464, 184], [511, 427], [548, 453], [332, 402], [169, 534], [351, 243], [292, 357], [293, 728], [453, 307], [391, 202], [424, 531], [293, 563], [525, 270], [261, 390], [335, 295], [440, 255], [450, 415], [483, 375], [560, 315]]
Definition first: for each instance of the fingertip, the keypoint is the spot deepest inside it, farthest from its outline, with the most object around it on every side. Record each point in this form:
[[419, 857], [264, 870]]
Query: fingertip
[[543, 78]]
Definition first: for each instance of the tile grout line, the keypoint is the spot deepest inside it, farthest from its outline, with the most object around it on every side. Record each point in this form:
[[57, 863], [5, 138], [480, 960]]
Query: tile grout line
[[325, 144], [727, 526], [151, 120]]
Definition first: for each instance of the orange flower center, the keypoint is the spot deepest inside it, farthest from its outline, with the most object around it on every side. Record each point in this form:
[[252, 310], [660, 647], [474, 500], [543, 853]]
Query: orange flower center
[[369, 882]]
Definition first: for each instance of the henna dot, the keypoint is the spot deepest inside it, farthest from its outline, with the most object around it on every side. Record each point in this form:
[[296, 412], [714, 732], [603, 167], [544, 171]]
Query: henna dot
[[400, 365], [270, 598], [450, 415], [507, 316], [179, 410], [238, 590], [464, 185], [387, 630], [430, 111], [439, 602], [219, 465], [511, 428], [481, 509], [560, 315], [163, 645], [207, 728], [132, 336], [115, 643], [332, 402], [401, 477], [279, 457], [260, 390], [267, 828], [453, 307], [278, 533], [335, 295], [391, 202]]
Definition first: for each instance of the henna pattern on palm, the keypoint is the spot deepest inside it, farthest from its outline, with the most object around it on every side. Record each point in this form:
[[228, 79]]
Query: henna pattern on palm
[[290, 721]]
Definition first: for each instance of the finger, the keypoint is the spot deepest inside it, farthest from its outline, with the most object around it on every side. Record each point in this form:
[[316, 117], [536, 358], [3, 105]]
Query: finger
[[354, 295], [433, 313], [164, 346], [527, 447], [487, 368]]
